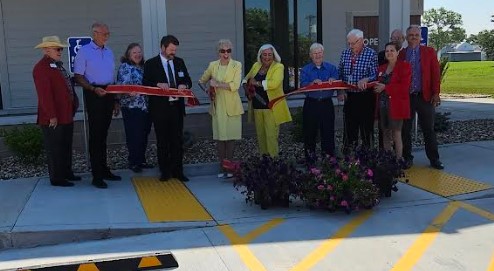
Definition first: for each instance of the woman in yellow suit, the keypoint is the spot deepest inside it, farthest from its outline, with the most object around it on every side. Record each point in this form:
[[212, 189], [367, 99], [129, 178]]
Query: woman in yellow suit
[[226, 109], [266, 75]]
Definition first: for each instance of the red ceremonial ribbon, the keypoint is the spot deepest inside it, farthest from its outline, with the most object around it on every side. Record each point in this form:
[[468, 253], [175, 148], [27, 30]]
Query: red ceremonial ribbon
[[155, 91], [335, 85]]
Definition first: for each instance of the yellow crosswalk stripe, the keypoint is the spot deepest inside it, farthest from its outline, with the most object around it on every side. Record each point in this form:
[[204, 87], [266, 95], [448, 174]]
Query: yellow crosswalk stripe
[[418, 248], [240, 243], [330, 244]]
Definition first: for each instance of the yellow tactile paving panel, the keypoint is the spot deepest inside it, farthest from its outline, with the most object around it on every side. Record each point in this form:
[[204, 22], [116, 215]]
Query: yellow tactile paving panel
[[169, 201], [442, 183]]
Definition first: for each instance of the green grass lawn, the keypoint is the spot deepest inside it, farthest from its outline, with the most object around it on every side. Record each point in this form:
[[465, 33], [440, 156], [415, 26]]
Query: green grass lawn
[[469, 77]]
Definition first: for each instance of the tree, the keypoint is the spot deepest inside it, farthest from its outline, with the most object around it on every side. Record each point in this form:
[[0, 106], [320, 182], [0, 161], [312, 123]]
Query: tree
[[258, 32], [485, 39], [445, 27]]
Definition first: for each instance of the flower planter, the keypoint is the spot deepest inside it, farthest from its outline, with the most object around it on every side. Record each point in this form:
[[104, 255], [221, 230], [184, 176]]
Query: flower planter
[[265, 200]]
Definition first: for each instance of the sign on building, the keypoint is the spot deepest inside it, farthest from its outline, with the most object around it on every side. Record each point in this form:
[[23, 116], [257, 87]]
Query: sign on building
[[424, 35], [75, 43]]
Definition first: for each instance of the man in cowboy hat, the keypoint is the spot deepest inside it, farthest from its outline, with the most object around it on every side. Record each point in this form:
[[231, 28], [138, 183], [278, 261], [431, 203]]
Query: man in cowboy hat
[[57, 104]]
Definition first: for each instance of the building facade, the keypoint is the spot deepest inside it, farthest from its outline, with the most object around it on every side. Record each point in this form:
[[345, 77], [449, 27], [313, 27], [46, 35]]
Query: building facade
[[291, 25]]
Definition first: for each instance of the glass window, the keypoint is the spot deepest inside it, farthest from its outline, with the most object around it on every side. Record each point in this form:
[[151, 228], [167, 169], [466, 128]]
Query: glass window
[[290, 25], [257, 28]]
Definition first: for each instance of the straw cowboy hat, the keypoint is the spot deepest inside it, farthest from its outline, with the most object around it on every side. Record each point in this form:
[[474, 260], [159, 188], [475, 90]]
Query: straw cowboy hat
[[50, 41]]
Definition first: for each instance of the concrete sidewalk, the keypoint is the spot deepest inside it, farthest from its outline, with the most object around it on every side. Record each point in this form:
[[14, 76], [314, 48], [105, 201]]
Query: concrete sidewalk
[[405, 225]]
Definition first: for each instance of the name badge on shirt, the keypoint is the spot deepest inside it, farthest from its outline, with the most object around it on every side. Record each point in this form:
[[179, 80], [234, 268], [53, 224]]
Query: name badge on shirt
[[180, 74], [53, 65]]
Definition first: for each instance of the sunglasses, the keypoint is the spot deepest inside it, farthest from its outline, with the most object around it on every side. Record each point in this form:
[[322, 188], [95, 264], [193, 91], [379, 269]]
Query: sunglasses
[[57, 49], [225, 51]]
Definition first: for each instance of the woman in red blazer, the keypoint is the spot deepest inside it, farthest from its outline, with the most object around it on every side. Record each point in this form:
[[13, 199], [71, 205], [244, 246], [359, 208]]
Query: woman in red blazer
[[393, 97]]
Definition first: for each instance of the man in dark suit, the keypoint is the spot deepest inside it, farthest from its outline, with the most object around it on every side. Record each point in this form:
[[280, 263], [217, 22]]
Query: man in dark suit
[[424, 95], [167, 113]]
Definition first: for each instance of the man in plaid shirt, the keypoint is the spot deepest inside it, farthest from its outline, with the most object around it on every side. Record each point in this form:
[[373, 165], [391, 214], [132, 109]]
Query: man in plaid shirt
[[358, 65]]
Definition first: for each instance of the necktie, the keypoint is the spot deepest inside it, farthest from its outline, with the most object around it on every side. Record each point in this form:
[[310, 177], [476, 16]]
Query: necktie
[[413, 63], [171, 79]]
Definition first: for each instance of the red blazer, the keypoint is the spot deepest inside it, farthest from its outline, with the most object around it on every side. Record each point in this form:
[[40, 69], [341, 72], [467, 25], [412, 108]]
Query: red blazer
[[431, 75], [53, 94], [398, 89]]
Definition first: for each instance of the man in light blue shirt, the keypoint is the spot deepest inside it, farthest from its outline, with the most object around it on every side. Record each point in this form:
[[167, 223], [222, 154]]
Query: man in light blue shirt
[[94, 69], [318, 111]]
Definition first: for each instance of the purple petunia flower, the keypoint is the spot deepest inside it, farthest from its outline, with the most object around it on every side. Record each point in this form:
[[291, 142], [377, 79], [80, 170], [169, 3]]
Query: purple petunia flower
[[315, 171]]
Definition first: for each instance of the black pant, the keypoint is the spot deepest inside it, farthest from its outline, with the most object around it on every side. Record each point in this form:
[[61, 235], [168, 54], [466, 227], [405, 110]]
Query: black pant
[[359, 119], [426, 114], [137, 127], [318, 115], [168, 121], [99, 113], [58, 146]]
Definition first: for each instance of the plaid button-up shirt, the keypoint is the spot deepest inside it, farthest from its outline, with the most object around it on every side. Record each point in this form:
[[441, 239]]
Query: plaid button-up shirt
[[363, 66]]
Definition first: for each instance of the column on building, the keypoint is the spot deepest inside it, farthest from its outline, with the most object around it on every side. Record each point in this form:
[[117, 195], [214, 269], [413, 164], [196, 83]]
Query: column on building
[[393, 14]]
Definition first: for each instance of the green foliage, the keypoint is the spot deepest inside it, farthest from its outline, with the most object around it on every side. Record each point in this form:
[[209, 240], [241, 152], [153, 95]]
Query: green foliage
[[441, 122], [26, 142], [443, 66], [297, 130], [445, 26], [267, 181], [257, 32], [469, 77], [485, 39]]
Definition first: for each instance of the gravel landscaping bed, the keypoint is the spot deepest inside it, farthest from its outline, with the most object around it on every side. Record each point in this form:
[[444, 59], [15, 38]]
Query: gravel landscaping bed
[[203, 151]]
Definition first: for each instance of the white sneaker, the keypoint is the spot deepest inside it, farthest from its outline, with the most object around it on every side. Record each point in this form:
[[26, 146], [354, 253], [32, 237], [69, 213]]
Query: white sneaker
[[221, 175], [228, 175]]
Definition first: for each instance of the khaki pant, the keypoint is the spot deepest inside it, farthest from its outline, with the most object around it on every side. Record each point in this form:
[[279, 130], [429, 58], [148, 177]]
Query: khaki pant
[[267, 132]]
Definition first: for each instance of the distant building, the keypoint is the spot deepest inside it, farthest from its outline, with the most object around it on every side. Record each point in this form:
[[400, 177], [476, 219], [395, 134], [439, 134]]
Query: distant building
[[463, 51]]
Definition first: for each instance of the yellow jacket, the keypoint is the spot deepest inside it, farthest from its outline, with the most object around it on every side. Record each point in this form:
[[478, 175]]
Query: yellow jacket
[[232, 77], [274, 88]]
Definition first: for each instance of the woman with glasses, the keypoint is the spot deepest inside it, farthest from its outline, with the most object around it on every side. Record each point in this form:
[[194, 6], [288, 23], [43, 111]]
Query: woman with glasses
[[223, 76], [134, 108], [263, 83]]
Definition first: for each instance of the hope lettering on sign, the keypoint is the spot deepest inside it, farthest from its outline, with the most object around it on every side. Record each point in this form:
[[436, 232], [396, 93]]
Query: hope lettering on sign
[[371, 41]]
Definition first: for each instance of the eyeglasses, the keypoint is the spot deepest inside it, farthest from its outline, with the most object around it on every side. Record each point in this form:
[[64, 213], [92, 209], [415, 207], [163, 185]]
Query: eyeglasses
[[106, 34], [225, 51], [353, 42]]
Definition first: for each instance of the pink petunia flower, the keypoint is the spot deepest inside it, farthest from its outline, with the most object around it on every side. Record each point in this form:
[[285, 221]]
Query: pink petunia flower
[[344, 203], [344, 177], [338, 171], [329, 187], [369, 172], [320, 187]]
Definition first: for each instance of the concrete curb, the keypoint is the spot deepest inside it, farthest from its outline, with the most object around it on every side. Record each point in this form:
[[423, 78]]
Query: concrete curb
[[29, 239]]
